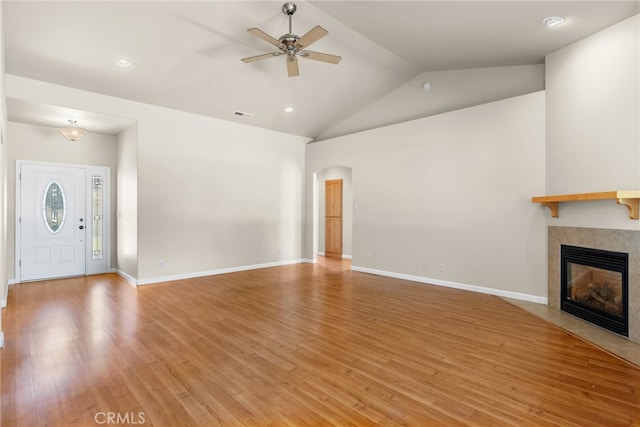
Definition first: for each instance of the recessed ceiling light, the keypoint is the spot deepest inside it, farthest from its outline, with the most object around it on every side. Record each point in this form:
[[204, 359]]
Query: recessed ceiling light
[[552, 21], [123, 63], [426, 85], [288, 110]]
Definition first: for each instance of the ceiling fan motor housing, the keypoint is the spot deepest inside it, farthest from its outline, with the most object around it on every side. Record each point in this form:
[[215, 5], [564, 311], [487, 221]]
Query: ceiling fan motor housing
[[288, 42]]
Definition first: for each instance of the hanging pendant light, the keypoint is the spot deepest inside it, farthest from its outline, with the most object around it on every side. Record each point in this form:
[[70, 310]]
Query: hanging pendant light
[[72, 132]]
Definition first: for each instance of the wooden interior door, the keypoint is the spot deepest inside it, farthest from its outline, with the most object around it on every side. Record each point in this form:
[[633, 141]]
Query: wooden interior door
[[333, 218]]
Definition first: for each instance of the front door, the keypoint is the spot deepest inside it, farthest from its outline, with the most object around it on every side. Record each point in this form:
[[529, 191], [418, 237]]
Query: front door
[[52, 222]]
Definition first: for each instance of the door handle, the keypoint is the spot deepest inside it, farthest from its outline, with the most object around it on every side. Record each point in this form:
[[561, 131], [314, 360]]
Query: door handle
[[81, 227]]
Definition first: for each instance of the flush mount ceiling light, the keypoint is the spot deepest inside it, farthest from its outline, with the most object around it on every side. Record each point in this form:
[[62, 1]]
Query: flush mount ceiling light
[[123, 63], [72, 132], [553, 21], [289, 110], [426, 85]]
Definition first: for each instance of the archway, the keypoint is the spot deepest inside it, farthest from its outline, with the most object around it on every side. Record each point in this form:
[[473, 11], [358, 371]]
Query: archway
[[343, 173]]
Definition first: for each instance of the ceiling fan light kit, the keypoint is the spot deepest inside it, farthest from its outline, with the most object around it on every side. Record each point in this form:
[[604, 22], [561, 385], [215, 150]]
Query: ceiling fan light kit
[[293, 46]]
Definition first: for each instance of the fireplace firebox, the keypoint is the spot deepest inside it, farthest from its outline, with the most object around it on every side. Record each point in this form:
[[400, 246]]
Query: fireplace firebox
[[594, 286]]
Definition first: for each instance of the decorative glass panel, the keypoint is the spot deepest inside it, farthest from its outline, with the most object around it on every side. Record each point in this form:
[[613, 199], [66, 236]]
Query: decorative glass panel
[[54, 207], [97, 191]]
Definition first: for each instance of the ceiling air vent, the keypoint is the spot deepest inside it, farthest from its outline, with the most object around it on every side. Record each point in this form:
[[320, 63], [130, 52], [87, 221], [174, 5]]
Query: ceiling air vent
[[242, 114]]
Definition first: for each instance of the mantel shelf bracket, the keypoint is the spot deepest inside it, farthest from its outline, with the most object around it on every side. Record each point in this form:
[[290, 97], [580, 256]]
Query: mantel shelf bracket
[[553, 206], [632, 204], [630, 199]]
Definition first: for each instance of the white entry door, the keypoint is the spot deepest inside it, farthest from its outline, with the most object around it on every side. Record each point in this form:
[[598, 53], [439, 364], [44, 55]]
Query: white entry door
[[52, 221]]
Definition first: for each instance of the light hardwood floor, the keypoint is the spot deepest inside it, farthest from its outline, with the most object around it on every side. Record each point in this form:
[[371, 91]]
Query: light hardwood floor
[[297, 345]]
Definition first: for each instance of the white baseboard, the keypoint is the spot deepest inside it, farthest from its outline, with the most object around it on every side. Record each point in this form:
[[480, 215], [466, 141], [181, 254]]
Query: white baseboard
[[455, 285], [215, 272], [419, 279], [343, 256], [132, 280], [3, 303]]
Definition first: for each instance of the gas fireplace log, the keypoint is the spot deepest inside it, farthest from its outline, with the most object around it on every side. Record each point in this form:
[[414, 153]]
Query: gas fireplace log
[[595, 292], [599, 296]]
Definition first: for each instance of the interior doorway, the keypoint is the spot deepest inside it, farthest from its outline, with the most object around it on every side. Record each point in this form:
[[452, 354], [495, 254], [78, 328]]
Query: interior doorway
[[324, 226]]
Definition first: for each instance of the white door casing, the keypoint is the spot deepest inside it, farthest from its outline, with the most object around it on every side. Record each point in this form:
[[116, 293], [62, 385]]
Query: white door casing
[[51, 247]]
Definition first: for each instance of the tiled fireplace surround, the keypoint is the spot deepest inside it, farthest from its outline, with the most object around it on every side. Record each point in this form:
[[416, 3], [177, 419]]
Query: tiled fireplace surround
[[627, 241]]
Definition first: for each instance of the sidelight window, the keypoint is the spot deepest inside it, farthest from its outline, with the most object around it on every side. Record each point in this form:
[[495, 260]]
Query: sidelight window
[[97, 197]]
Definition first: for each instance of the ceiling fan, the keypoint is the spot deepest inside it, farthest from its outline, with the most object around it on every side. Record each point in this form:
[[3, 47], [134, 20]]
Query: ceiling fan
[[292, 46]]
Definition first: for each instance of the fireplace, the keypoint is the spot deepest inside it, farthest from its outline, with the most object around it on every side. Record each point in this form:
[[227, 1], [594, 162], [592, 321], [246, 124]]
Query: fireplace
[[594, 285]]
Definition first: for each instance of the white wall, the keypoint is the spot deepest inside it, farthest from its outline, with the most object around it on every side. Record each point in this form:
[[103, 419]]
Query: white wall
[[3, 173], [44, 144], [127, 202], [455, 189], [450, 90], [344, 174], [211, 194], [593, 124], [215, 194]]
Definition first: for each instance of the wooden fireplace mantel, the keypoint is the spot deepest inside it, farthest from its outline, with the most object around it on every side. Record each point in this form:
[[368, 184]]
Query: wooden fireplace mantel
[[628, 198]]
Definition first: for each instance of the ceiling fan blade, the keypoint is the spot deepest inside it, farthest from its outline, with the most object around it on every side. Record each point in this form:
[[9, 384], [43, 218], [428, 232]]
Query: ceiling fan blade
[[264, 36], [292, 66], [318, 56], [259, 57], [313, 35]]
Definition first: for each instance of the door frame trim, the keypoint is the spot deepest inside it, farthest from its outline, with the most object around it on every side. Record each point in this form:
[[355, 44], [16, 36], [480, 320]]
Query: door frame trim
[[107, 209]]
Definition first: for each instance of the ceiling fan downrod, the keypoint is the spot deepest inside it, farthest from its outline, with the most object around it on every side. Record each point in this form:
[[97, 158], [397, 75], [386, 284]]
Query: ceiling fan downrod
[[289, 8], [289, 40]]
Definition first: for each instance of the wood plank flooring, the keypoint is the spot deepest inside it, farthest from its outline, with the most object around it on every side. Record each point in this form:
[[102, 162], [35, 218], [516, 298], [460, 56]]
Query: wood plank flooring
[[294, 346]]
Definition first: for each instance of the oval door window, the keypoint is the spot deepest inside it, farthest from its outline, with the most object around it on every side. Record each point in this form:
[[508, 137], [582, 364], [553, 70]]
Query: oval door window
[[54, 206]]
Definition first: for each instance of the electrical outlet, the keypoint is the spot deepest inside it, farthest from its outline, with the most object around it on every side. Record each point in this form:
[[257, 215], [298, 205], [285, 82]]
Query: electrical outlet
[[425, 265], [443, 266], [160, 264], [370, 257]]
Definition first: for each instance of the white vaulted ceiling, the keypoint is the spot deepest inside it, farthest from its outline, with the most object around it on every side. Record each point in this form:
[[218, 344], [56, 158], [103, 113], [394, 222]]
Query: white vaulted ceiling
[[186, 55]]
